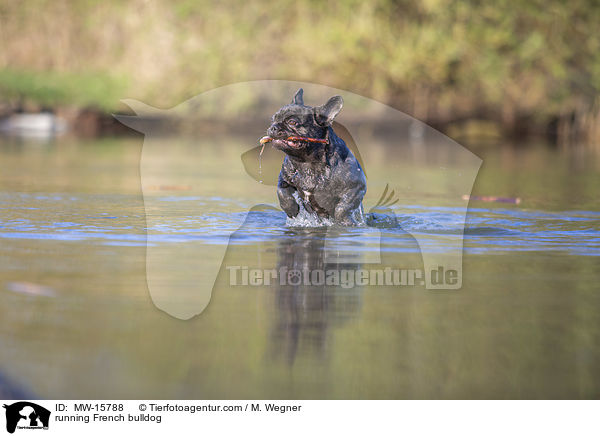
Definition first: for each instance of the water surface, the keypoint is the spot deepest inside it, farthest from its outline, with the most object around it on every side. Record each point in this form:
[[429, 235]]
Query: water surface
[[77, 321]]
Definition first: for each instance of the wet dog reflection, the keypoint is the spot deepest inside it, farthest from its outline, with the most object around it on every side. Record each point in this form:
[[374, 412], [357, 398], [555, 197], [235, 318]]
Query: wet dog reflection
[[314, 288], [309, 306]]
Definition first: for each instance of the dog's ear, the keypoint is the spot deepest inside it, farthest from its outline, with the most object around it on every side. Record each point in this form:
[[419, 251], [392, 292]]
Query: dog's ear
[[326, 113], [298, 97]]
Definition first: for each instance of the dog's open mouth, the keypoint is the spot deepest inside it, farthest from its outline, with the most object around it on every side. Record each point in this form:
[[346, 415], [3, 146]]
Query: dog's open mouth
[[291, 141]]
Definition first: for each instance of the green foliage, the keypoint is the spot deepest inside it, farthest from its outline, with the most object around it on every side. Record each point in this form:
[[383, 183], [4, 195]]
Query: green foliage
[[434, 58], [53, 89]]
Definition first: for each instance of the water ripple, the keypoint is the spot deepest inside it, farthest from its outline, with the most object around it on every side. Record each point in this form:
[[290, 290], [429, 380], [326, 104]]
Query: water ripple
[[95, 219]]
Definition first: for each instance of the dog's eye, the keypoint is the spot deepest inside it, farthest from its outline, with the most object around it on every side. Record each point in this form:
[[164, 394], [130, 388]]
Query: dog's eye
[[292, 122]]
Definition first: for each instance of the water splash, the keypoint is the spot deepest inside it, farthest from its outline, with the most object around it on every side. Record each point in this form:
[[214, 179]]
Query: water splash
[[306, 218]]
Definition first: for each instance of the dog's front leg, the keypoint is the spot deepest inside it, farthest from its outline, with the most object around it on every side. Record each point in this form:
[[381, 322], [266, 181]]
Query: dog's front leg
[[349, 202], [288, 203]]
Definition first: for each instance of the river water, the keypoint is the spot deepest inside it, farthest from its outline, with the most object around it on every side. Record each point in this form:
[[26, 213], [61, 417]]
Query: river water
[[77, 319]]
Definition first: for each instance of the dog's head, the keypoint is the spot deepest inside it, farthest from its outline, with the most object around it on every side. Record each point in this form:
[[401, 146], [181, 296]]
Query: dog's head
[[297, 121]]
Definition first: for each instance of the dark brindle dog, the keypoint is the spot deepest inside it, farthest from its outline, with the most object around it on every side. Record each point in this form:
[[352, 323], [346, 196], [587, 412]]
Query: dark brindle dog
[[323, 173]]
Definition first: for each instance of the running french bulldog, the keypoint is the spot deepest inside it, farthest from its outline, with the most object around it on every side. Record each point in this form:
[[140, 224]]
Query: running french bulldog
[[319, 172]]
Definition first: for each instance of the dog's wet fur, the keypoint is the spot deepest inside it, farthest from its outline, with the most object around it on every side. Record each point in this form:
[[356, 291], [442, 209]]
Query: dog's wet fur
[[327, 178]]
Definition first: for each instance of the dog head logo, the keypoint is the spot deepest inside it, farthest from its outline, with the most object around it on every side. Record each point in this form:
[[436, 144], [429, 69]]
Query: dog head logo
[[26, 415], [427, 171]]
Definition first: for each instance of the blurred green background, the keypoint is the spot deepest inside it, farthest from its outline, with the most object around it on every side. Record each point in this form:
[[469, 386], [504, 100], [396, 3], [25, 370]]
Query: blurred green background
[[512, 67]]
